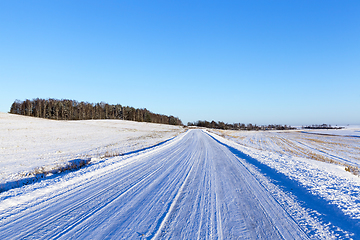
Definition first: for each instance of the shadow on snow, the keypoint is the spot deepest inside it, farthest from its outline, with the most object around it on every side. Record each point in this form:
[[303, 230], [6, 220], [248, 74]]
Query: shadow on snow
[[327, 212]]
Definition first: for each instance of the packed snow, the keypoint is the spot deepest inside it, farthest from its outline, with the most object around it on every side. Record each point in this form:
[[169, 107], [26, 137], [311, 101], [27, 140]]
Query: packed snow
[[191, 187], [150, 181]]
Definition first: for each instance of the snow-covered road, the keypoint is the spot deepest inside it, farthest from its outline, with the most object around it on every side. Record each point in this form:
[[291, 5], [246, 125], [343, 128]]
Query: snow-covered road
[[192, 187]]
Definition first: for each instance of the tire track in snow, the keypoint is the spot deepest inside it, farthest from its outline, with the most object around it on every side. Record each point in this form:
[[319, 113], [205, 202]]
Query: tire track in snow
[[97, 192], [72, 208], [172, 206], [147, 192]]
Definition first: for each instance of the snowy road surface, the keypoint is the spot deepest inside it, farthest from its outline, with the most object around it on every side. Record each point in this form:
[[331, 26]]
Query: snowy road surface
[[192, 187]]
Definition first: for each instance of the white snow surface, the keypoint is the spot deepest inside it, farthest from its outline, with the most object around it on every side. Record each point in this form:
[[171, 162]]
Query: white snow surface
[[189, 188], [33, 145], [329, 181], [339, 148], [197, 185]]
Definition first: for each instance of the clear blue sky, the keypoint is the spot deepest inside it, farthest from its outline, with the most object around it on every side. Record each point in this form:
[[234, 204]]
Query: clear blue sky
[[260, 62]]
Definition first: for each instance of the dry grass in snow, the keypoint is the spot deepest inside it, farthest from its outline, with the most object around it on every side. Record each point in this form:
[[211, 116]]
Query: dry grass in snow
[[343, 150]]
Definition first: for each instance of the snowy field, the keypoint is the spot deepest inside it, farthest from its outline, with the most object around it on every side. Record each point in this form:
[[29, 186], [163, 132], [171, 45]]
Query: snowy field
[[316, 162], [30, 146], [340, 147], [198, 184]]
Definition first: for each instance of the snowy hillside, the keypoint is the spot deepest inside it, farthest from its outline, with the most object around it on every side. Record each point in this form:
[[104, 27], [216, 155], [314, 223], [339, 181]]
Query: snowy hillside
[[33, 145]]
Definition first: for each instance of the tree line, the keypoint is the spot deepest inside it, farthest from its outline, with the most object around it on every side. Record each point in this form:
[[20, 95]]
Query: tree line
[[65, 109], [322, 126], [238, 126]]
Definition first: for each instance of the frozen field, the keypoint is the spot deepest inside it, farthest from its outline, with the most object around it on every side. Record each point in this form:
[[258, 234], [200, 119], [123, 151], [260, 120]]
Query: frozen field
[[316, 162], [334, 146], [29, 146]]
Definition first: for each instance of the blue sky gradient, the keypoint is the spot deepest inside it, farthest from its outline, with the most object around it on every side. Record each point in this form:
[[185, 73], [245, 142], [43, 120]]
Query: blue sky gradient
[[260, 62]]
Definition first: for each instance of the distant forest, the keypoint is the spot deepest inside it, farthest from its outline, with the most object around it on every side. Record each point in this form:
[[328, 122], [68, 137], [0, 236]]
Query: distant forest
[[73, 110], [238, 126], [323, 126], [65, 109]]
